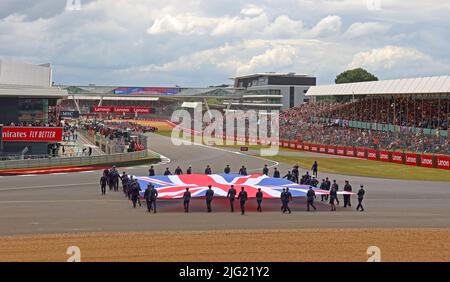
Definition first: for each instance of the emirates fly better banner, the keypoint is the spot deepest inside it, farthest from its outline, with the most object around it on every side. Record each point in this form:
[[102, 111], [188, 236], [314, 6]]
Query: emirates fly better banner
[[32, 134]]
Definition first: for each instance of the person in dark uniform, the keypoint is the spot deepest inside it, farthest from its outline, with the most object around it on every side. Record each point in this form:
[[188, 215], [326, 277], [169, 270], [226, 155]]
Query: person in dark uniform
[[361, 194], [135, 190], [266, 170], [189, 170], [310, 196], [336, 187], [147, 198], [289, 176], [103, 183], [242, 197], [295, 174], [209, 197], [153, 198], [167, 172], [259, 199], [231, 196], [315, 168], [327, 187], [114, 178], [186, 200], [151, 171], [124, 178], [347, 198], [287, 199], [243, 171], [178, 171], [314, 182], [276, 173], [323, 187], [227, 170], [208, 170], [333, 197]]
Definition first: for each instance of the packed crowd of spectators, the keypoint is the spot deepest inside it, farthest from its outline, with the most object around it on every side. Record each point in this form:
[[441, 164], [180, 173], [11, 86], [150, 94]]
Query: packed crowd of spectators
[[301, 124], [431, 113]]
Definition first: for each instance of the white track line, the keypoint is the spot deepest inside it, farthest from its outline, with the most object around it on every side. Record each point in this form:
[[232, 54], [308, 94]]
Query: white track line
[[48, 186]]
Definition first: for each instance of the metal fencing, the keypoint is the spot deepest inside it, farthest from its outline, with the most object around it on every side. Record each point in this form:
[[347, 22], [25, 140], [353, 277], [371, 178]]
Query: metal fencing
[[77, 161]]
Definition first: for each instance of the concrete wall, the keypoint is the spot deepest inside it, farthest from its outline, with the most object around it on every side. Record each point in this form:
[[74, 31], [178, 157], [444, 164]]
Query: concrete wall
[[14, 73]]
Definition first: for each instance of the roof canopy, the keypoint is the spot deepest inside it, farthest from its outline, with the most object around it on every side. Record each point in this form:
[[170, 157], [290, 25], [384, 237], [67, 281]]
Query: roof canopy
[[424, 85]]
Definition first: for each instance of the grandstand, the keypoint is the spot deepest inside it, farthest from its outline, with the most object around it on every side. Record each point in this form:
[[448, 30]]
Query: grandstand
[[405, 114]]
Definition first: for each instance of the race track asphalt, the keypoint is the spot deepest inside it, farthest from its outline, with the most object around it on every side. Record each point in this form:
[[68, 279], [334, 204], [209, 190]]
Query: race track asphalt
[[66, 203]]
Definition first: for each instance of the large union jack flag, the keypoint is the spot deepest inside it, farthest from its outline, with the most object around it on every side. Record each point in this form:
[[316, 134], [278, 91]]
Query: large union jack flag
[[174, 186]]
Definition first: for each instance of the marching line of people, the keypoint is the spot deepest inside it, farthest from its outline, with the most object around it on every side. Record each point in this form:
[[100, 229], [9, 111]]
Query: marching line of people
[[132, 189]]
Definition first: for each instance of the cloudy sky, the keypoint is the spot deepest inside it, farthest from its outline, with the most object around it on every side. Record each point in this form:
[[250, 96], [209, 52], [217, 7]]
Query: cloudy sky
[[205, 42]]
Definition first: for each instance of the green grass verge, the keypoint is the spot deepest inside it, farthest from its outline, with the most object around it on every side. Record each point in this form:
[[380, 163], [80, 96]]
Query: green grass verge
[[359, 167]]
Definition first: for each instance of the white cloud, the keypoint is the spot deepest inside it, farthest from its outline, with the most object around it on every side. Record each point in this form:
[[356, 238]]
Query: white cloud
[[200, 42], [331, 25], [386, 57], [366, 29]]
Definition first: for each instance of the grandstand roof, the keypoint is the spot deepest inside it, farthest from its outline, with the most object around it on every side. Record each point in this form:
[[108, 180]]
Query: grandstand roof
[[424, 85], [31, 91]]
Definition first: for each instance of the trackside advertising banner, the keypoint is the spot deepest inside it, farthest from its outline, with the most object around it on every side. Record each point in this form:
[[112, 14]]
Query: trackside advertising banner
[[443, 162], [397, 157], [412, 159], [122, 110], [426, 161], [384, 156], [32, 134], [372, 155]]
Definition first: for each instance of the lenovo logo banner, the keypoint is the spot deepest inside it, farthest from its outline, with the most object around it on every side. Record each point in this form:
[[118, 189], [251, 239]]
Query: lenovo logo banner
[[372, 155], [350, 152], [397, 157], [384, 156], [341, 151], [331, 150], [443, 162], [104, 110], [361, 153], [426, 161], [411, 159], [32, 134]]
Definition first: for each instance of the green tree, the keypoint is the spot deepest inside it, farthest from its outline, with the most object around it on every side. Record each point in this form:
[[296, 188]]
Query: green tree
[[356, 75]]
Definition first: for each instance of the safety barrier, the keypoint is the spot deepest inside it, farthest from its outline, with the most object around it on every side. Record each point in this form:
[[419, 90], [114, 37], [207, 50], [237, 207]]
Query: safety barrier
[[78, 161]]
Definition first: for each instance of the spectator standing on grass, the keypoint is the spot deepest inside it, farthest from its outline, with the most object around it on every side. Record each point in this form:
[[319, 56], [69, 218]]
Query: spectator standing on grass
[[243, 196], [361, 194], [186, 200], [315, 168], [209, 197], [231, 196]]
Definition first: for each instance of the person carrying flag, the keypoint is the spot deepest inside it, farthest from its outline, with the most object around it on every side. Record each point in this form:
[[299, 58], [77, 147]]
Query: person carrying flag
[[243, 196]]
